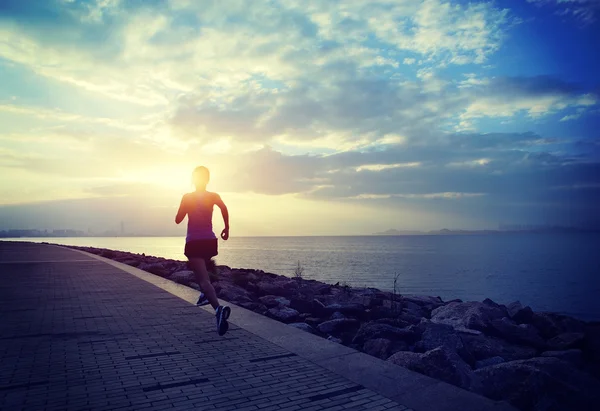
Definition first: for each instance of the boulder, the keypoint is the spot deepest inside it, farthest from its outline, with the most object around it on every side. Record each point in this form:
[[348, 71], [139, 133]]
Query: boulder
[[394, 322], [382, 347], [541, 383], [370, 331], [313, 321], [304, 327], [407, 359], [482, 347], [336, 327], [408, 317], [415, 309], [183, 277], [335, 340], [440, 363], [591, 347], [232, 293], [473, 315], [573, 356], [551, 324], [378, 347], [377, 313], [426, 301], [519, 314], [337, 316], [283, 314], [441, 335], [154, 268], [253, 306], [301, 305], [279, 288], [524, 334], [565, 341], [194, 285], [318, 309], [272, 301], [435, 335], [488, 362], [347, 309]]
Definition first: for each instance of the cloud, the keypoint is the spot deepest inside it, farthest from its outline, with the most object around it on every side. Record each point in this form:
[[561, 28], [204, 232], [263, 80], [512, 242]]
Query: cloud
[[586, 11], [536, 96]]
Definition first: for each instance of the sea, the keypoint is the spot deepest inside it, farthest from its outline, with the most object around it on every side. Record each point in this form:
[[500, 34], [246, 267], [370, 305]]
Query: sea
[[549, 272]]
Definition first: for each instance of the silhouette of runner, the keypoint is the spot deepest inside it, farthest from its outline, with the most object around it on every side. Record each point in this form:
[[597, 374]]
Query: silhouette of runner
[[201, 242]]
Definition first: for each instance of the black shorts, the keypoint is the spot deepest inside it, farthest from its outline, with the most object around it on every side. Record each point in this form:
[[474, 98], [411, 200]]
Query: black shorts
[[201, 248]]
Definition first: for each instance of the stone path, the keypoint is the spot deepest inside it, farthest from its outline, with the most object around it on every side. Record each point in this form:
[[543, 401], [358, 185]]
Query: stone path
[[78, 333]]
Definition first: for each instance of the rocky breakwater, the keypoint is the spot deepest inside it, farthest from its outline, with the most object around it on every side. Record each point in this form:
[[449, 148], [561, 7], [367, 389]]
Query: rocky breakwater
[[534, 360]]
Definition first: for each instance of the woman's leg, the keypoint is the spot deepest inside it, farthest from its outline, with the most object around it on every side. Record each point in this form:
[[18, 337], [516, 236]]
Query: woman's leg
[[199, 267]]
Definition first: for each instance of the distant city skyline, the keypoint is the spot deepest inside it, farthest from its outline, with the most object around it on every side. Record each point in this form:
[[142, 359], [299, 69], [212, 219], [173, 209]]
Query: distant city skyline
[[315, 118]]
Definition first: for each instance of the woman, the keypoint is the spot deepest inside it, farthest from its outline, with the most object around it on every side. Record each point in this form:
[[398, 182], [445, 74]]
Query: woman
[[201, 242]]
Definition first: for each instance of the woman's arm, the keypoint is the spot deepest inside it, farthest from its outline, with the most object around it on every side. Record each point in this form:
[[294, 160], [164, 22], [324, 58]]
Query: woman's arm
[[225, 213], [182, 210]]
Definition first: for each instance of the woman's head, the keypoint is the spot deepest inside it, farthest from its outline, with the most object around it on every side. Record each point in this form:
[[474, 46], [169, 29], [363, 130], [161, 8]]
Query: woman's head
[[201, 177]]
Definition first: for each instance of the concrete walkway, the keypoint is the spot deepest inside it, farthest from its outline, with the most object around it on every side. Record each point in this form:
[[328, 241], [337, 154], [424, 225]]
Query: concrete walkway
[[78, 332]]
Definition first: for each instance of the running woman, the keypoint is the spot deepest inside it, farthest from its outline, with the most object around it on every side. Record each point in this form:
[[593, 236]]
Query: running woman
[[201, 242]]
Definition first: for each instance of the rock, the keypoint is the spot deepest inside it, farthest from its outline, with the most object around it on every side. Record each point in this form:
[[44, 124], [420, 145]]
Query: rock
[[377, 313], [154, 268], [347, 309], [303, 316], [473, 315], [407, 359], [442, 364], [194, 285], [591, 347], [272, 301], [312, 321], [408, 317], [301, 305], [519, 314], [541, 383], [492, 303], [482, 347], [303, 327], [423, 300], [370, 331], [488, 362], [253, 306], [335, 340], [519, 334], [414, 309], [551, 324], [283, 314], [183, 277], [337, 316], [378, 347], [565, 341], [394, 322], [573, 356], [436, 335], [279, 288], [232, 293], [336, 327], [318, 309], [441, 335]]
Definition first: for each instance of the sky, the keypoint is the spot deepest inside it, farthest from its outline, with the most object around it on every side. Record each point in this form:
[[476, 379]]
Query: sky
[[317, 117]]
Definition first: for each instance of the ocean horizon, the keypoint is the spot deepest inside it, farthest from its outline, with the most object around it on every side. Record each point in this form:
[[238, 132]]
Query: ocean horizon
[[549, 272]]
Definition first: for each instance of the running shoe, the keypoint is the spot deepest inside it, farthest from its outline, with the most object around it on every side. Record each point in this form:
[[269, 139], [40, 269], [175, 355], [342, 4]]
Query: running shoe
[[222, 315], [202, 300]]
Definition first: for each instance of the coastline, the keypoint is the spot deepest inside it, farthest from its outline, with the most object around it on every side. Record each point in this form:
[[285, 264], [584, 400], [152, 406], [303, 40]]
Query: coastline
[[502, 352]]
